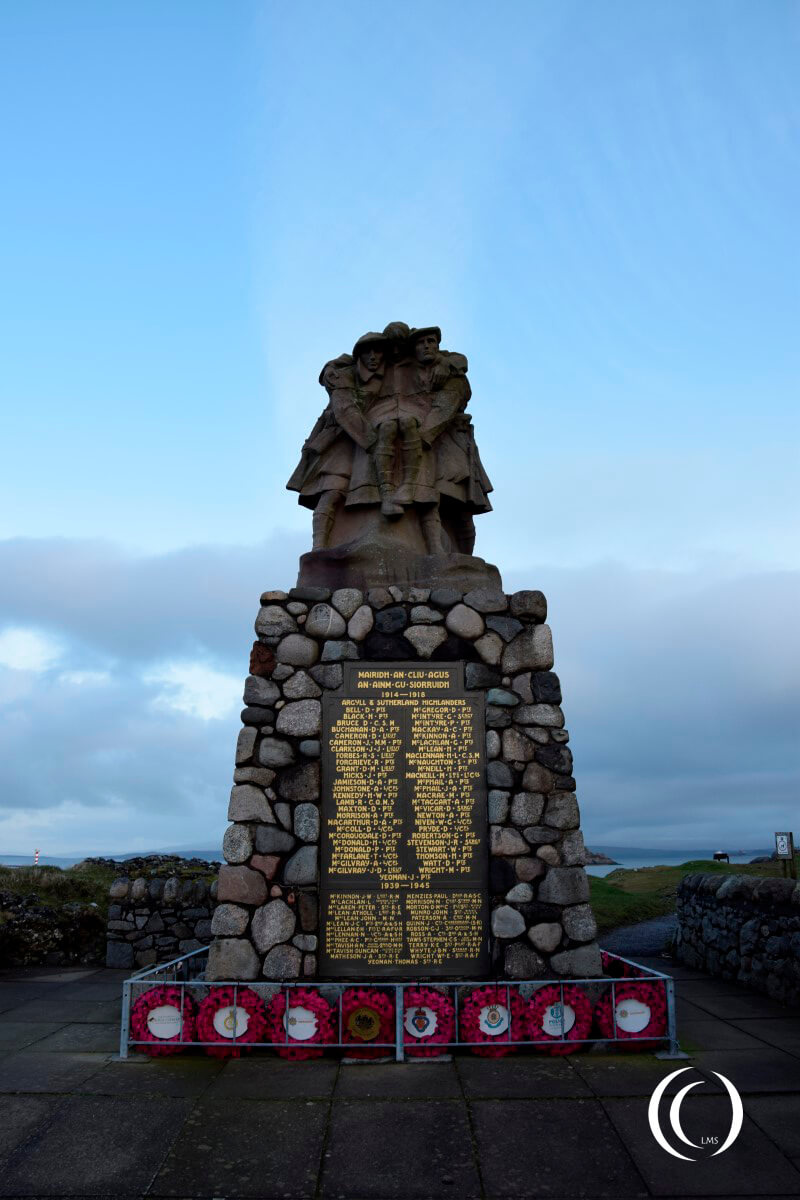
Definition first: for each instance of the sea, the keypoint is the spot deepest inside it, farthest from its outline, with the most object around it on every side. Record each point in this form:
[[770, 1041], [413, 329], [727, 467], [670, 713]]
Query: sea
[[634, 856], [624, 856]]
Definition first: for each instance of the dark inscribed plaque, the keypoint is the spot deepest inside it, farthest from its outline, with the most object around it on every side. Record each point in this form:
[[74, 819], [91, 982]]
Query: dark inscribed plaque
[[404, 855]]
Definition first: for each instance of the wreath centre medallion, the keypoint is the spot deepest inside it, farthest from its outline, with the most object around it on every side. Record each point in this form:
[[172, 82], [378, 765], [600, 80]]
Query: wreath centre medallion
[[301, 1023], [493, 1019], [420, 1021], [632, 1016], [364, 1024], [551, 1020], [165, 1021], [231, 1021]]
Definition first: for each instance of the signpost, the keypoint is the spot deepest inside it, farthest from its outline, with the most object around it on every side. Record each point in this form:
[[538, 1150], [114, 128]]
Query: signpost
[[784, 849]]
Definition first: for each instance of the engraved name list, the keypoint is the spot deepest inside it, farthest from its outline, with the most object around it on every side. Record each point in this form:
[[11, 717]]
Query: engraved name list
[[404, 824]]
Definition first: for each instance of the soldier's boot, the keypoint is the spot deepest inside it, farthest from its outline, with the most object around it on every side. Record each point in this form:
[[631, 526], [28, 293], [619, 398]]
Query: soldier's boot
[[412, 461], [432, 531], [322, 519], [384, 462]]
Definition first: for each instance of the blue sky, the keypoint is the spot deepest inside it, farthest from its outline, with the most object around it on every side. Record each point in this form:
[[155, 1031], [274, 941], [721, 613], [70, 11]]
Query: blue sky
[[205, 202]]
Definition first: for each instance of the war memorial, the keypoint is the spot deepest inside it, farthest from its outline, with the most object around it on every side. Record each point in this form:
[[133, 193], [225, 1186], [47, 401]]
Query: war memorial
[[404, 864], [404, 804]]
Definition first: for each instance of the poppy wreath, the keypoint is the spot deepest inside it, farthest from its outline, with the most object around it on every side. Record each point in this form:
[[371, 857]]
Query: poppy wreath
[[424, 1045], [541, 1001], [225, 997], [160, 997], [618, 969], [298, 1048], [653, 995], [367, 1016], [488, 997], [613, 967]]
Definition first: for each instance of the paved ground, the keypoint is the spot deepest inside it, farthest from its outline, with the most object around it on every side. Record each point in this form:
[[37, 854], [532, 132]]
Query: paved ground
[[76, 1123], [648, 938]]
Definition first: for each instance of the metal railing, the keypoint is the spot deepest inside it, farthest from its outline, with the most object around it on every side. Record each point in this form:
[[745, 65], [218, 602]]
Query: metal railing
[[187, 971]]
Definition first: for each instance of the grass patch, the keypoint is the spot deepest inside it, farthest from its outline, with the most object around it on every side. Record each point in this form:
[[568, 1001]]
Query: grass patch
[[54, 886], [625, 897]]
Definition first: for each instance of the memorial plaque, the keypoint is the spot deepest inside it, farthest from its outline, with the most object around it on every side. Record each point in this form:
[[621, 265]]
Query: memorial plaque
[[404, 854]]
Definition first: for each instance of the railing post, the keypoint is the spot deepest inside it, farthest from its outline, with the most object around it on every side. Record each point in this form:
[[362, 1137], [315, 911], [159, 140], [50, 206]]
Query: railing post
[[124, 1030], [399, 1002], [673, 1050]]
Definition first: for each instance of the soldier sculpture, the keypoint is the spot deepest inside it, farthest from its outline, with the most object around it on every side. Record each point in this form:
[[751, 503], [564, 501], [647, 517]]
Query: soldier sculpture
[[392, 457]]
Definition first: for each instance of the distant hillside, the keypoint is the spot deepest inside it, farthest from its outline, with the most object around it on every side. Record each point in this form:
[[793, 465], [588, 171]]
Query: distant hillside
[[26, 860], [208, 855]]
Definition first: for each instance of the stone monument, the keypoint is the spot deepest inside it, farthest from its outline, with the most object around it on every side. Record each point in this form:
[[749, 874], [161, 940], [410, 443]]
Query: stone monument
[[391, 469], [403, 803]]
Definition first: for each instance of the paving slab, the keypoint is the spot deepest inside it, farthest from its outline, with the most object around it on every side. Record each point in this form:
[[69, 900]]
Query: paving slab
[[264, 1077], [553, 1147], [752, 1166], [779, 1117], [398, 1081], [686, 1011], [710, 986], [179, 1075], [395, 1150], [14, 1035], [268, 1148], [715, 1035], [22, 1116], [47, 974], [776, 1031], [91, 991], [762, 1070], [13, 999], [66, 1011], [97, 1145], [624, 1074], [83, 1035], [32, 1071], [524, 1078], [735, 1005]]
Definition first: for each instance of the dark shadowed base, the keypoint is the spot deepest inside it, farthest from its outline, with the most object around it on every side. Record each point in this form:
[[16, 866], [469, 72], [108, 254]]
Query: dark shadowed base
[[379, 562]]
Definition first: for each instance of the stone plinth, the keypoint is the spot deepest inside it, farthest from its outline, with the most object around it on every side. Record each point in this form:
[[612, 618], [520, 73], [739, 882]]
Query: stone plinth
[[267, 920]]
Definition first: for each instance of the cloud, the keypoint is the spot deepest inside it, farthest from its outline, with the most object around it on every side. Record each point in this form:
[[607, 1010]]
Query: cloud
[[27, 650], [681, 694], [84, 678], [195, 689]]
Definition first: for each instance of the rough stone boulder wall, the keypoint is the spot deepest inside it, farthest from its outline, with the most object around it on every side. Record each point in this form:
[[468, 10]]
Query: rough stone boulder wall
[[266, 923], [33, 934]]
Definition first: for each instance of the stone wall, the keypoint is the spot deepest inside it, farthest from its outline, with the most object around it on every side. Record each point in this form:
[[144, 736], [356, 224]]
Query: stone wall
[[266, 922], [33, 933], [742, 927], [157, 919]]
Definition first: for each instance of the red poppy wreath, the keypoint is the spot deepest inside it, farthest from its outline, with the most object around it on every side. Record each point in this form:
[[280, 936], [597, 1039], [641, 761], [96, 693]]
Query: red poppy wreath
[[638, 1012], [428, 1022], [551, 1005], [618, 968], [485, 1017], [163, 1017], [228, 1013], [309, 1020], [367, 1016]]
